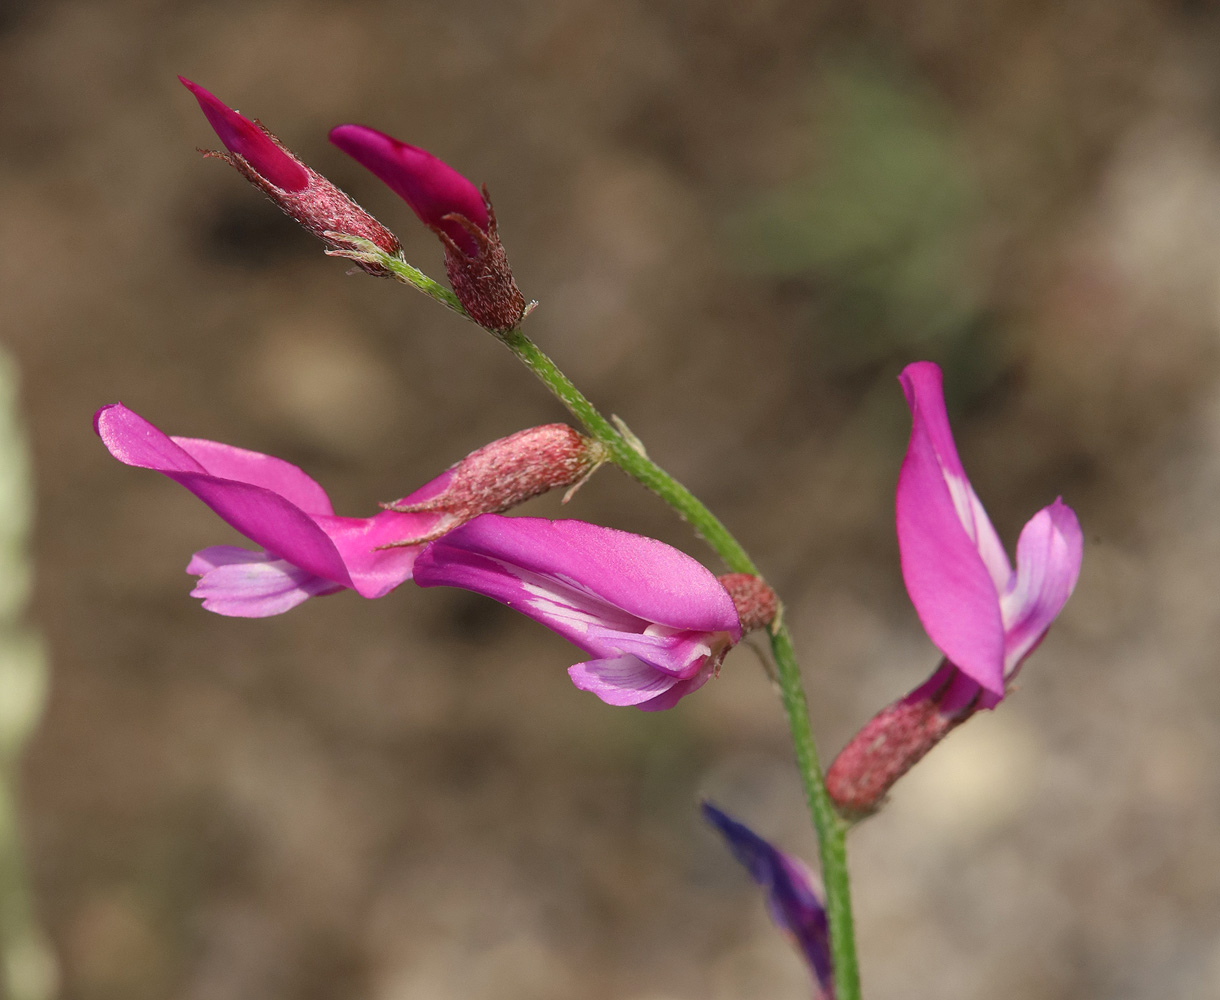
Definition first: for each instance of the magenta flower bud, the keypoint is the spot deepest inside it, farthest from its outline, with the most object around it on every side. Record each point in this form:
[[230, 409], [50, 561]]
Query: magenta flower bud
[[656, 623], [505, 473], [433, 189], [985, 616], [297, 189], [756, 602], [792, 896], [453, 208]]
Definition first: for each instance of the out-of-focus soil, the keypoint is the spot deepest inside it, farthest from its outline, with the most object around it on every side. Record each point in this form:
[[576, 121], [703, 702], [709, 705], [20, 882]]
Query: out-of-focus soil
[[406, 799]]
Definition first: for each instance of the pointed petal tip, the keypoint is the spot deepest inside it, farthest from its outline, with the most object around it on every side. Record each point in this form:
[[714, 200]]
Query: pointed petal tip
[[427, 183], [920, 376], [248, 140], [100, 415]]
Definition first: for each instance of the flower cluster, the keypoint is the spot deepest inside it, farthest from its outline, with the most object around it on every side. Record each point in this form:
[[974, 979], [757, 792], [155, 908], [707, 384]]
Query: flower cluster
[[654, 623]]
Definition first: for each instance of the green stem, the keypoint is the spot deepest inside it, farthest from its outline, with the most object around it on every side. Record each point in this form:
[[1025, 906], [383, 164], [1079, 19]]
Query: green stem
[[830, 828], [832, 831], [629, 457]]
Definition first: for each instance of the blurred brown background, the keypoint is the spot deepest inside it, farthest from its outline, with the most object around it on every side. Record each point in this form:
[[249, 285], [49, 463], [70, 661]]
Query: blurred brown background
[[741, 219]]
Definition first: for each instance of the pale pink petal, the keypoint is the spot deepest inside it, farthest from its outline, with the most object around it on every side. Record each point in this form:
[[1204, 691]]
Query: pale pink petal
[[623, 680], [244, 584], [670, 698], [677, 653], [948, 583], [1049, 554]]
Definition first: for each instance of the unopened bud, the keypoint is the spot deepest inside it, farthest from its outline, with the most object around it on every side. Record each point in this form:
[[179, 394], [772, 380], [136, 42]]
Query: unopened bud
[[756, 603], [299, 190], [897, 738], [453, 208], [505, 473]]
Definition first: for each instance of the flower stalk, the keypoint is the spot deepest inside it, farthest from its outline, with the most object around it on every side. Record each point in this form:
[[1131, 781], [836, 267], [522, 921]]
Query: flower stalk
[[831, 829]]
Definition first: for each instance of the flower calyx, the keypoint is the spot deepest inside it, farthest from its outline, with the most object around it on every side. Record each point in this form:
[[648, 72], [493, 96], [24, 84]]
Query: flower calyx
[[483, 281], [506, 473], [897, 738], [756, 603]]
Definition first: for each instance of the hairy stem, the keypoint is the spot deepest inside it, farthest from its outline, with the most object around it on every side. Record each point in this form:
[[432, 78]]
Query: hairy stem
[[830, 828]]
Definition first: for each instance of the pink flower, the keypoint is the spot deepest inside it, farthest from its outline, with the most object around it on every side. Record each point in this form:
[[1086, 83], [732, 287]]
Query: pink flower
[[982, 614], [655, 622], [307, 550], [300, 191], [453, 208], [792, 896]]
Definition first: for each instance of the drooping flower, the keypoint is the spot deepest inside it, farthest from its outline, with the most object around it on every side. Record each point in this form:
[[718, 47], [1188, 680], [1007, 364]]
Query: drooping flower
[[453, 208], [307, 550], [984, 616], [300, 191], [655, 622], [792, 897]]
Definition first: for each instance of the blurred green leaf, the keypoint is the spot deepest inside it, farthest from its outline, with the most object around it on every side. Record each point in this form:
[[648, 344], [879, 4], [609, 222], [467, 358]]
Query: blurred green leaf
[[884, 225]]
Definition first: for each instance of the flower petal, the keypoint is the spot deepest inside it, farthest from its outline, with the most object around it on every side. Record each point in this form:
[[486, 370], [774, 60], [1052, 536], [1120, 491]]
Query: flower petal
[[261, 515], [623, 680], [948, 582], [375, 571], [682, 688], [791, 896], [581, 618], [640, 578], [923, 385], [227, 462], [244, 584], [134, 441], [242, 136], [681, 654], [1049, 553], [430, 186]]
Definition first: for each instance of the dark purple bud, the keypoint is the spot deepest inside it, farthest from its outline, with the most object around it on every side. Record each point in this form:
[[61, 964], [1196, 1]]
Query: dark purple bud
[[792, 896]]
